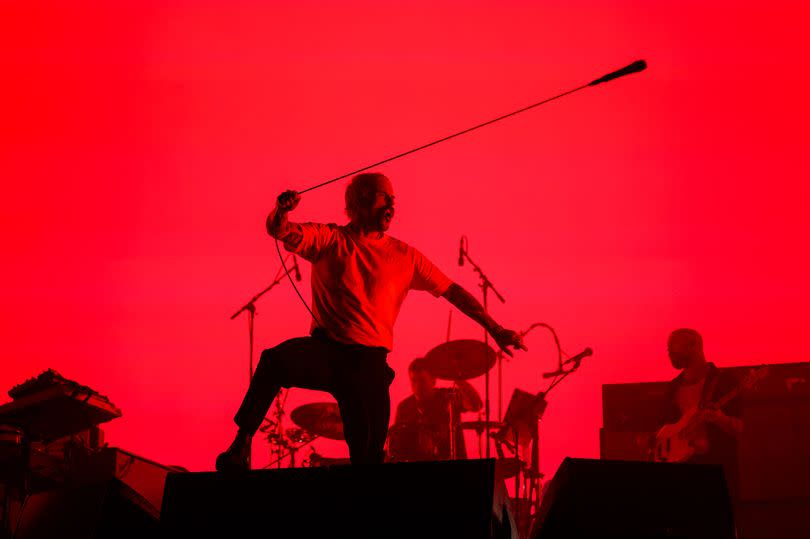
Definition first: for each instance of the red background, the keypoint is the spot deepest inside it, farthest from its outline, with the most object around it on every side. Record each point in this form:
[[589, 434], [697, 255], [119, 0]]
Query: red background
[[142, 146]]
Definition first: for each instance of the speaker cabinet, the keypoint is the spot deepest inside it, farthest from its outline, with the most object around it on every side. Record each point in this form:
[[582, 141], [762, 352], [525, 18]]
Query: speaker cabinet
[[633, 500], [106, 510]]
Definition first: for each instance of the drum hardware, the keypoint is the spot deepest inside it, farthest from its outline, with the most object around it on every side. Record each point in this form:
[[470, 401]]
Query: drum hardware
[[282, 443], [409, 442], [506, 467], [316, 460], [482, 425], [314, 420], [458, 360], [299, 436], [319, 418]]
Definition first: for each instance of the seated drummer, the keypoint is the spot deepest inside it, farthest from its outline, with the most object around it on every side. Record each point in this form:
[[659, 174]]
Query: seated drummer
[[421, 429]]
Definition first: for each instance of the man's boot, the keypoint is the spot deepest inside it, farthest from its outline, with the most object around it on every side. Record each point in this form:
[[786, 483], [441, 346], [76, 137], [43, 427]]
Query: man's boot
[[236, 457]]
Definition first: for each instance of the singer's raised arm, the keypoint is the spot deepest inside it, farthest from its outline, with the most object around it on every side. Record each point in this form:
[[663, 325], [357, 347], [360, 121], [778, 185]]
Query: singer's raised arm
[[278, 226]]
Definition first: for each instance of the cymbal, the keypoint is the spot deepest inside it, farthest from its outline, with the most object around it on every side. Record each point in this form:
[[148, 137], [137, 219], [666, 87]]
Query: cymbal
[[321, 418], [460, 359], [481, 425]]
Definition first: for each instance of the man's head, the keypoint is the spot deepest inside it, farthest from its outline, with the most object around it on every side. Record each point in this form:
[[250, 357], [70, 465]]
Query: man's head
[[685, 347], [422, 382], [370, 201]]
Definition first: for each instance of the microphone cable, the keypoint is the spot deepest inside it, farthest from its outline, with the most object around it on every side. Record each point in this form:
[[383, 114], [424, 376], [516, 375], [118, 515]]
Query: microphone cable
[[635, 67], [298, 292]]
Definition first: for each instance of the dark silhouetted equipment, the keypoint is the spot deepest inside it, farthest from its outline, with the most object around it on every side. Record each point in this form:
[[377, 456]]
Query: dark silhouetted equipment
[[520, 436], [140, 474], [461, 250], [411, 499], [50, 406], [107, 510], [635, 500], [316, 459], [575, 360], [57, 476], [481, 425]]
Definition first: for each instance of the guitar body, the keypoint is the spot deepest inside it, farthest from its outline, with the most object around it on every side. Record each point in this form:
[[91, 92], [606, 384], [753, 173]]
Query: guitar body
[[672, 443]]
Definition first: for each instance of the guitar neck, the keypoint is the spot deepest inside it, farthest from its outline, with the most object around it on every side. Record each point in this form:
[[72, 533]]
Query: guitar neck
[[750, 380], [727, 397]]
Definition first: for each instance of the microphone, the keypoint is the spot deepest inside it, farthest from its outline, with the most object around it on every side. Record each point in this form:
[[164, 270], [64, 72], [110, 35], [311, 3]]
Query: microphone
[[461, 251], [573, 359], [579, 357], [296, 269], [635, 67]]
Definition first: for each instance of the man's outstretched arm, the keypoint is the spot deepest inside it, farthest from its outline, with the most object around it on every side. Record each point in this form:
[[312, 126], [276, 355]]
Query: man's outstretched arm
[[277, 224], [467, 304]]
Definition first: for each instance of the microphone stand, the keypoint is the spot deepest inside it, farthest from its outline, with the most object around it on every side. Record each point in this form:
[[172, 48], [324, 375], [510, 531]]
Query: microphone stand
[[534, 466], [486, 285], [529, 414], [250, 307], [542, 397]]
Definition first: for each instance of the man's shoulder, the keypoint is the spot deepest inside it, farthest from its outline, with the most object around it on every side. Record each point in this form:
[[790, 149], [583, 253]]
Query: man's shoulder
[[399, 245], [407, 402]]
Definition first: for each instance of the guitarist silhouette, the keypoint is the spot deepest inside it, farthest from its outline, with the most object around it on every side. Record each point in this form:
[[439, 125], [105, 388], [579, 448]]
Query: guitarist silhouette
[[701, 415]]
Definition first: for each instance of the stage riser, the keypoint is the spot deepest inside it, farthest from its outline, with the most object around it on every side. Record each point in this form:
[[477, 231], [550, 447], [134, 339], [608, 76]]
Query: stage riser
[[429, 499]]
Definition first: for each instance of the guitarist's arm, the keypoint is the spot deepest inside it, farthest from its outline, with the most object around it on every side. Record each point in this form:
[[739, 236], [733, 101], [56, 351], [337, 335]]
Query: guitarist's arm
[[725, 414], [729, 424]]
